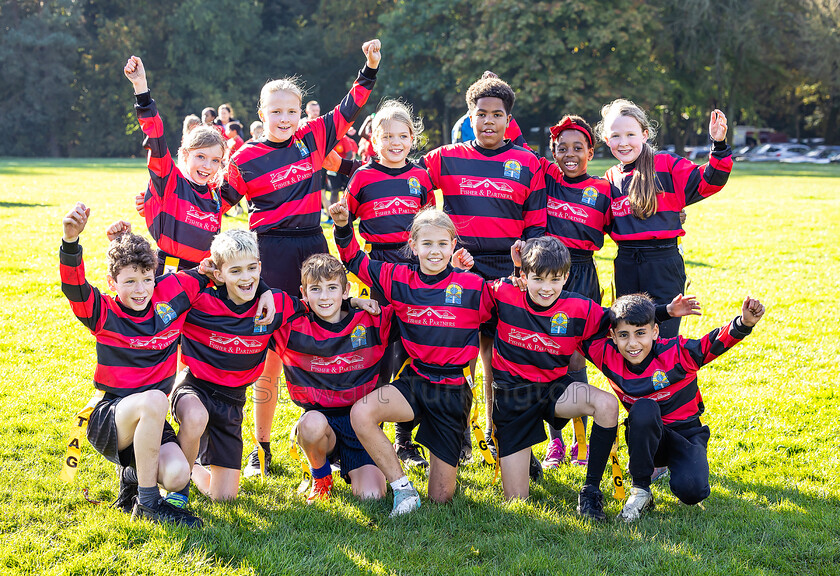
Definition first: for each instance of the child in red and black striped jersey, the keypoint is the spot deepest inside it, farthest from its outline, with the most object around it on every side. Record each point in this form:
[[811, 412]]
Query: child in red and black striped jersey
[[224, 347], [385, 194], [331, 359], [136, 344], [280, 177], [493, 190], [656, 380], [653, 188], [537, 334], [578, 214], [181, 205], [439, 311]]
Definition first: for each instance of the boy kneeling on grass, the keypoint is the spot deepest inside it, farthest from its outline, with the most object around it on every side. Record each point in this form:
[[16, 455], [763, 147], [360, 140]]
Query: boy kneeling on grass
[[224, 345], [656, 381], [137, 338], [331, 359]]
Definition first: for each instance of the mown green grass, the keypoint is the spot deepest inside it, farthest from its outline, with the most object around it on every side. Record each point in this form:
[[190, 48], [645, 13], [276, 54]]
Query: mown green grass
[[771, 404]]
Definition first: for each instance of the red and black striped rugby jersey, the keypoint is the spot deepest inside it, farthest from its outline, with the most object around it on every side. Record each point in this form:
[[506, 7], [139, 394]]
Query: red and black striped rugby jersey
[[494, 197], [577, 209], [332, 365], [135, 350], [669, 374], [222, 344], [535, 343], [183, 217], [439, 315], [682, 183], [386, 200], [282, 181]]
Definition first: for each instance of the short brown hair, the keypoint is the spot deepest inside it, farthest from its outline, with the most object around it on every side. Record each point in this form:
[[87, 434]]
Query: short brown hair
[[130, 250], [320, 267], [544, 256]]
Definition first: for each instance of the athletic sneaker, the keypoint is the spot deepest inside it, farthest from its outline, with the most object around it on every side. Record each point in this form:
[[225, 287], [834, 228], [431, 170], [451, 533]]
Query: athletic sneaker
[[176, 499], [555, 455], [639, 501], [162, 512], [591, 503], [659, 473], [573, 454], [405, 501], [535, 468], [126, 495], [409, 453], [321, 489], [252, 468]]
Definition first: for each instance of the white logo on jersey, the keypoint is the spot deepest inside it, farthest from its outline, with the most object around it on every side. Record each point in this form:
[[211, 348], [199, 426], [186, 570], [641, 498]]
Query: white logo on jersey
[[204, 220], [335, 365], [533, 341], [293, 174], [428, 316], [235, 341], [158, 342], [621, 206], [556, 207], [394, 205], [486, 187]]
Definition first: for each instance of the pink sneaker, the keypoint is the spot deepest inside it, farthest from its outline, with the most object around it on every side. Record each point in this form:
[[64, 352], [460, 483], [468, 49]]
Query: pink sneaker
[[555, 455], [573, 454]]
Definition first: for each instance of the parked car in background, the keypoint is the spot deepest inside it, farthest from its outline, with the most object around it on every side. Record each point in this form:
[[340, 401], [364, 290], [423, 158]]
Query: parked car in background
[[742, 153], [776, 152], [819, 155]]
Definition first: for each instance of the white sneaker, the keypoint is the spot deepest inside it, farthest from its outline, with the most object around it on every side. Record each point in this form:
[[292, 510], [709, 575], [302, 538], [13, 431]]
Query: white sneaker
[[405, 501], [639, 501], [252, 467]]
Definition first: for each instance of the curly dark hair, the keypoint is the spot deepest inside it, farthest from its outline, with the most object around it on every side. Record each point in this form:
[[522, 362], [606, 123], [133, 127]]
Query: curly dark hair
[[130, 250], [491, 88]]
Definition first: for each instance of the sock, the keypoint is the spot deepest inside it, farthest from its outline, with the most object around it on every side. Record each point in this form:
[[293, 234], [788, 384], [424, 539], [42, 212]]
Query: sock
[[129, 475], [322, 472], [148, 496], [267, 447], [556, 433], [642, 483], [402, 432], [600, 445], [401, 483]]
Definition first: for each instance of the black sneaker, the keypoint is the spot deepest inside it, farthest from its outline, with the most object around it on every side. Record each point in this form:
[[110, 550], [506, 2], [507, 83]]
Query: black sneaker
[[491, 447], [163, 511], [127, 494], [252, 467], [591, 503], [409, 453], [535, 470]]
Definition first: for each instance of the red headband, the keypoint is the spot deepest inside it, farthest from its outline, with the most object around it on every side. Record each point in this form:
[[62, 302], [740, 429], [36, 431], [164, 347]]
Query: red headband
[[569, 124]]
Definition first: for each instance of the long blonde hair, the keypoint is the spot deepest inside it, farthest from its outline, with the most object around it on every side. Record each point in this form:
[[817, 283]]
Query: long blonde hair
[[644, 187]]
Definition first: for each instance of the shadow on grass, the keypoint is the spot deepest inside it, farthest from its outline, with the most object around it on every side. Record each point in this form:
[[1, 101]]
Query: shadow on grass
[[23, 205]]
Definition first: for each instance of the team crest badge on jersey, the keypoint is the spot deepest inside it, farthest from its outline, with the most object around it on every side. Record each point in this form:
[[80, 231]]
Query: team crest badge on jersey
[[589, 196], [453, 294], [259, 329], [414, 186], [216, 199], [165, 311], [304, 151], [559, 323], [660, 380], [358, 337], [513, 169]]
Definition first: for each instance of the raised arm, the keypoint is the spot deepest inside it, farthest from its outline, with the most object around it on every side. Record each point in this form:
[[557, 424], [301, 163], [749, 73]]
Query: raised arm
[[699, 182], [85, 300]]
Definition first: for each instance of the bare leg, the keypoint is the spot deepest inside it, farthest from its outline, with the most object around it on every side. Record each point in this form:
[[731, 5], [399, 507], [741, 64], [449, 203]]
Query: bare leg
[[265, 396], [316, 437], [193, 417], [173, 469], [515, 478], [442, 479], [139, 420], [224, 483], [386, 404], [581, 399]]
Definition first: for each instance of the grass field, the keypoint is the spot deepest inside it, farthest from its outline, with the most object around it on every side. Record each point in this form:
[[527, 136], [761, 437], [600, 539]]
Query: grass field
[[771, 404]]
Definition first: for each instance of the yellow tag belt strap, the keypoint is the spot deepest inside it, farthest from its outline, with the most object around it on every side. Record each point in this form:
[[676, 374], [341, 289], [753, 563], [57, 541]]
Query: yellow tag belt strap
[[617, 476], [73, 454], [477, 431], [304, 463], [580, 438], [170, 264]]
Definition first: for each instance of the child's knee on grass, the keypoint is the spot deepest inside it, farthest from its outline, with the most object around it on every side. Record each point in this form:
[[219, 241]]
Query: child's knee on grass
[[442, 480], [515, 477], [173, 468], [368, 483]]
